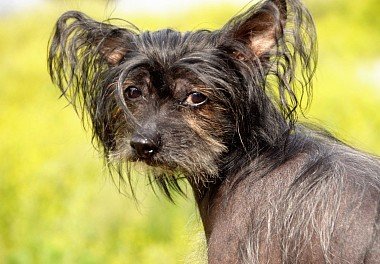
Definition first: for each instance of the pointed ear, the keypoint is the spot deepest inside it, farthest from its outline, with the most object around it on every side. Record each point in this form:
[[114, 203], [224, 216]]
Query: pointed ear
[[261, 27], [78, 37], [80, 50]]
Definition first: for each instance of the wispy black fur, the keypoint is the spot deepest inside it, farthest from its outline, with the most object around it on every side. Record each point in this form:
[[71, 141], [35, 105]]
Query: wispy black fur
[[219, 108]]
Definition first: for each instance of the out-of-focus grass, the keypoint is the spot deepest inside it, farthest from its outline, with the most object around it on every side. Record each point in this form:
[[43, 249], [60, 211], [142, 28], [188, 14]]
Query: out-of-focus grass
[[58, 204]]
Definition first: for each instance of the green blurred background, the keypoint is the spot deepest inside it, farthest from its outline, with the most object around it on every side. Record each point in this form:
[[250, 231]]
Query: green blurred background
[[57, 202]]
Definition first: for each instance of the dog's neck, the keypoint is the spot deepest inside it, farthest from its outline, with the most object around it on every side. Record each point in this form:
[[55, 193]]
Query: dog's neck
[[210, 195], [204, 197]]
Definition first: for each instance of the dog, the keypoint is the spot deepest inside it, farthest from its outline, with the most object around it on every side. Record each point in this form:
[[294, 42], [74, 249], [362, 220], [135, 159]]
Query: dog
[[219, 110]]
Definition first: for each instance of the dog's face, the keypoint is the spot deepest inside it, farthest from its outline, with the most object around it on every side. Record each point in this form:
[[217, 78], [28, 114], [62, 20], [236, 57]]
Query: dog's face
[[168, 113], [179, 102]]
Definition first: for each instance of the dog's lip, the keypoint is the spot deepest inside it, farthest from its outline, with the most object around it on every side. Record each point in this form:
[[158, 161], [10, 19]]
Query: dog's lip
[[149, 161], [153, 162]]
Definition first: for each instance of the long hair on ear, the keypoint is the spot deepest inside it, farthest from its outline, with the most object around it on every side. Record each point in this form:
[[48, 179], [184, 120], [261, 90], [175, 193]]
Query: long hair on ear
[[295, 60], [282, 38], [83, 58]]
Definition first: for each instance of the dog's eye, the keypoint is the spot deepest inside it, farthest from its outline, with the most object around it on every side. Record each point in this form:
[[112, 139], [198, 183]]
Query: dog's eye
[[132, 92], [196, 99]]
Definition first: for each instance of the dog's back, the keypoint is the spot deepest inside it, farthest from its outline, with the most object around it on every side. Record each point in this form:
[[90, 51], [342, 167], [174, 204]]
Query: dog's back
[[318, 203]]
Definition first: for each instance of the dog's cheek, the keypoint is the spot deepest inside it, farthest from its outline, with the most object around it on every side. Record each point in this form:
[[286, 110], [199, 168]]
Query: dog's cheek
[[121, 137], [206, 133], [186, 144], [185, 150], [211, 123], [210, 126], [120, 131]]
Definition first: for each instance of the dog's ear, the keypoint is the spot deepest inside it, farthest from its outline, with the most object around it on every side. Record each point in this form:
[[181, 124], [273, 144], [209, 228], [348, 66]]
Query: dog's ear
[[113, 47], [77, 37], [281, 35], [80, 51], [260, 27]]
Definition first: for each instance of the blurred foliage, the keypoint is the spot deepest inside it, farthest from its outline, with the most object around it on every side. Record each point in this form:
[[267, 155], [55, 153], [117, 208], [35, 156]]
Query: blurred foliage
[[59, 205]]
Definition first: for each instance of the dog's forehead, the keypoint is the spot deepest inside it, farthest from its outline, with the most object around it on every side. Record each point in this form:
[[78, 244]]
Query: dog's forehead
[[160, 80], [170, 37], [169, 43]]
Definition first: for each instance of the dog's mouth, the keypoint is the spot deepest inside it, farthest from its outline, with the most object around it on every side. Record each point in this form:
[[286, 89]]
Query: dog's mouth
[[148, 161], [157, 167], [153, 161]]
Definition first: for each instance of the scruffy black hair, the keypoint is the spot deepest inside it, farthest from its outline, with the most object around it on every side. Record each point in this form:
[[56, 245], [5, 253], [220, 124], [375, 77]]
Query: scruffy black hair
[[219, 109], [86, 57]]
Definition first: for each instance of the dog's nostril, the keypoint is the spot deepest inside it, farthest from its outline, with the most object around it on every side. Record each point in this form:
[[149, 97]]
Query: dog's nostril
[[145, 147]]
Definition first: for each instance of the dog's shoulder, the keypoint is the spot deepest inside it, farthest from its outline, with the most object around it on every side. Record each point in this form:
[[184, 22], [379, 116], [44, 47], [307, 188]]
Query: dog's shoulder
[[318, 192]]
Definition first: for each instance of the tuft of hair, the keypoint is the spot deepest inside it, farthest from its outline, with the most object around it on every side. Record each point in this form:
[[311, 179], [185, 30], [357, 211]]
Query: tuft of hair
[[286, 53]]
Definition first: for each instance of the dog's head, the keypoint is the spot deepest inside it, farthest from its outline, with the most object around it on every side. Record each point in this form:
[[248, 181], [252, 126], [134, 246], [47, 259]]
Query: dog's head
[[187, 103]]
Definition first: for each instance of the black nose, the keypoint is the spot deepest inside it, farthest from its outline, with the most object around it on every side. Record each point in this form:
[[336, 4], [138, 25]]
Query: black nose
[[145, 146]]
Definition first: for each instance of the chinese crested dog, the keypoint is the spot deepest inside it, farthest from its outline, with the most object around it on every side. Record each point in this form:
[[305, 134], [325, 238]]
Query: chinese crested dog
[[219, 109]]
